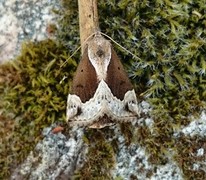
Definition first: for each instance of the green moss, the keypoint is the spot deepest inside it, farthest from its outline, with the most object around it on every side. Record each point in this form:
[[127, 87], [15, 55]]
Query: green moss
[[34, 90], [100, 158], [127, 130], [186, 156]]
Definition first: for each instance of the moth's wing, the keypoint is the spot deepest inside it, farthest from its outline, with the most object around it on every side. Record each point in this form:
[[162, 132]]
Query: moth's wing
[[85, 80], [117, 78]]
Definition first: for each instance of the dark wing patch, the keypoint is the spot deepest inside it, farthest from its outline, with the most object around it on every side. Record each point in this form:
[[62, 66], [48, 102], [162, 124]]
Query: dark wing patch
[[117, 78], [84, 82]]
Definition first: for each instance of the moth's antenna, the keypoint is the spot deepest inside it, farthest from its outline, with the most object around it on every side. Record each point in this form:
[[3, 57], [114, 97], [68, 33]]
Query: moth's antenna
[[70, 56], [120, 45], [97, 33], [77, 49]]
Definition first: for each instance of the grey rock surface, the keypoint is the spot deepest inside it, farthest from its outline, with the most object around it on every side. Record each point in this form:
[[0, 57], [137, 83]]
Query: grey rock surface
[[55, 157], [23, 20]]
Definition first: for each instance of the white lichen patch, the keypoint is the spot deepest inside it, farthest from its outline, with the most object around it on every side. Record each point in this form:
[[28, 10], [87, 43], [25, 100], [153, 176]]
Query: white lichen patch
[[196, 127], [145, 107], [8, 34], [23, 20], [200, 152], [55, 156], [133, 163], [169, 171], [199, 164]]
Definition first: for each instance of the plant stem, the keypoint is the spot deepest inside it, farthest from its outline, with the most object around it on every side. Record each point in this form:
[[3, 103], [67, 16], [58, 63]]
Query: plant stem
[[88, 19]]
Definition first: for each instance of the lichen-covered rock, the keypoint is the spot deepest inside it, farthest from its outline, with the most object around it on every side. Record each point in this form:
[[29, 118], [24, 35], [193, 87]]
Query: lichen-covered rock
[[24, 20], [55, 157]]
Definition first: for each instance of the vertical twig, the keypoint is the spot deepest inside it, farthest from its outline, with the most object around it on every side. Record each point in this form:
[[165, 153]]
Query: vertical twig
[[88, 19]]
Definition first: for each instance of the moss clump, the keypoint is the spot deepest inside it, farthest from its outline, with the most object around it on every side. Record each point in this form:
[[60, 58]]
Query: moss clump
[[33, 93], [127, 130], [187, 156], [100, 158], [6, 129]]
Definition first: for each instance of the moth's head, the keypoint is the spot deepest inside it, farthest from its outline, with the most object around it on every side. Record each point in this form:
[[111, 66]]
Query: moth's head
[[99, 53]]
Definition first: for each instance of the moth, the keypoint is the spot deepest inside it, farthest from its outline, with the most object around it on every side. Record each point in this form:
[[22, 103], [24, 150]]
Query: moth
[[102, 93]]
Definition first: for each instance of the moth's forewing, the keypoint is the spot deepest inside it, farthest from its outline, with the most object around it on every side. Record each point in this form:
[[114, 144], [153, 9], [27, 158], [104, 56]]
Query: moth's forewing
[[85, 80], [117, 79]]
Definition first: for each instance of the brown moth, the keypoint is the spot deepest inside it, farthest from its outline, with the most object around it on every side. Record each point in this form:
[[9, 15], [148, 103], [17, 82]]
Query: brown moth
[[103, 63], [100, 78]]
